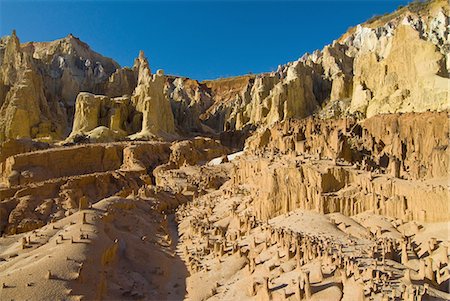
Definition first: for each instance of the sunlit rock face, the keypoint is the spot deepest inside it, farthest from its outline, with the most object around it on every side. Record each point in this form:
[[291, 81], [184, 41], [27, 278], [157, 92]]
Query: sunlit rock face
[[146, 114], [150, 100], [40, 82], [392, 64], [327, 179]]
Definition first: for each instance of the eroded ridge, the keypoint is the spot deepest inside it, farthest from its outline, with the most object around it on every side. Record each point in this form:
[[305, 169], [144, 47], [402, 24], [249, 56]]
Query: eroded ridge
[[322, 221], [98, 227], [327, 179]]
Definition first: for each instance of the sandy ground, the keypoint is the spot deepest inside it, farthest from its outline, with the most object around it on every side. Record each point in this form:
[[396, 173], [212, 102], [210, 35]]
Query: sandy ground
[[124, 250], [147, 246], [257, 254]]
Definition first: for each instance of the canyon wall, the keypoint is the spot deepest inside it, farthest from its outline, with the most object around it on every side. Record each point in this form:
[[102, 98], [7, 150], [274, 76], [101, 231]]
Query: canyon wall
[[394, 63], [327, 179], [39, 83], [388, 164]]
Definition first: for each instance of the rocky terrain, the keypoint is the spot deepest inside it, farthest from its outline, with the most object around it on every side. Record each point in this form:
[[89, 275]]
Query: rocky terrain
[[325, 180]]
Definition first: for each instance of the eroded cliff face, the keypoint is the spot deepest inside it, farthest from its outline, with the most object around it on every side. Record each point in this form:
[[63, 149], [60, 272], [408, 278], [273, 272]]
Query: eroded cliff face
[[326, 199], [24, 109], [65, 179], [307, 202], [40, 82], [100, 118], [411, 146], [408, 74], [394, 63], [189, 99], [149, 98], [388, 164], [145, 115]]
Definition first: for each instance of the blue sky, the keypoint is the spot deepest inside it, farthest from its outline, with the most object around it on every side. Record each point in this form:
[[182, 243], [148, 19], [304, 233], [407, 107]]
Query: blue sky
[[198, 39]]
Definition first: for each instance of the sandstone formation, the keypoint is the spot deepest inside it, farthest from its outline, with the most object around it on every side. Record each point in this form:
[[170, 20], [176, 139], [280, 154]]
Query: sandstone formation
[[149, 99], [39, 84], [327, 179], [390, 178], [391, 64], [146, 114], [398, 82]]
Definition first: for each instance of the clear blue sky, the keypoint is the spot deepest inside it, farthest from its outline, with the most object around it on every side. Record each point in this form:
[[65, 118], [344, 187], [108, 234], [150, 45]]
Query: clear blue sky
[[198, 39]]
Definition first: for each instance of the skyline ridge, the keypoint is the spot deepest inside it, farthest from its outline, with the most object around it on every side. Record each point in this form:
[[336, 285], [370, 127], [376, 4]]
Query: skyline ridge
[[201, 40]]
